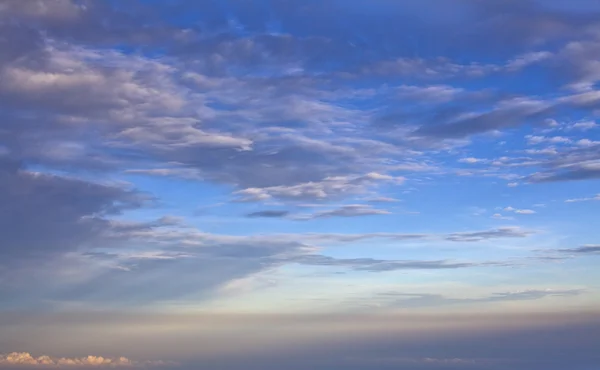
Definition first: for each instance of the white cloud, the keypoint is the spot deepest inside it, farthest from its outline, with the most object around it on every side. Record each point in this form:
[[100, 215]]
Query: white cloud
[[587, 142], [325, 189], [436, 93], [524, 211], [534, 140], [545, 151], [527, 59], [520, 211], [575, 200], [584, 125], [26, 359], [471, 160], [499, 216]]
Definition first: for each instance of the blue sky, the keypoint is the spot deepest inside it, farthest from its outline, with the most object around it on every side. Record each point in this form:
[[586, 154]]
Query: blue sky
[[251, 159]]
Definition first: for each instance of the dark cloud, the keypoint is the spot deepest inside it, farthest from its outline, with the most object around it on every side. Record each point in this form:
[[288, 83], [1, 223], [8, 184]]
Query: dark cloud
[[19, 41], [43, 214]]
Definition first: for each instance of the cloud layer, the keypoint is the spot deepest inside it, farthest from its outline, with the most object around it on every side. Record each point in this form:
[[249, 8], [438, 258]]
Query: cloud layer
[[153, 154]]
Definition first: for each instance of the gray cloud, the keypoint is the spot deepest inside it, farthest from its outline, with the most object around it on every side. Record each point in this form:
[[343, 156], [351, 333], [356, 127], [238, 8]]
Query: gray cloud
[[231, 102], [128, 263], [268, 214], [505, 232], [583, 171], [506, 114], [44, 214], [149, 120], [350, 210], [586, 249], [272, 244], [169, 111], [383, 200], [375, 265]]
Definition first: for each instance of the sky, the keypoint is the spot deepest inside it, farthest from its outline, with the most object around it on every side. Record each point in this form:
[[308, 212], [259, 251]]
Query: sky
[[236, 184]]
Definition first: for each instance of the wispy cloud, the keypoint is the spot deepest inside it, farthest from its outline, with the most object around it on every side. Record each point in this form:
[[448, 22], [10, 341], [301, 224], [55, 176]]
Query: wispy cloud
[[519, 211], [583, 250], [576, 200], [476, 236], [350, 210]]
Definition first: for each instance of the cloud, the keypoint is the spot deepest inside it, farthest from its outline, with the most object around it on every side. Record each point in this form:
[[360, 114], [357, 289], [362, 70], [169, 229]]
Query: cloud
[[533, 140], [27, 360], [60, 11], [576, 200], [443, 68], [576, 163], [507, 113], [268, 214], [293, 113], [350, 210], [163, 125], [471, 160], [587, 142], [584, 125], [130, 263], [330, 187], [504, 232], [585, 249], [45, 214], [436, 93], [376, 265], [520, 211], [528, 59], [499, 216], [397, 299], [266, 245], [383, 200], [587, 170], [185, 173]]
